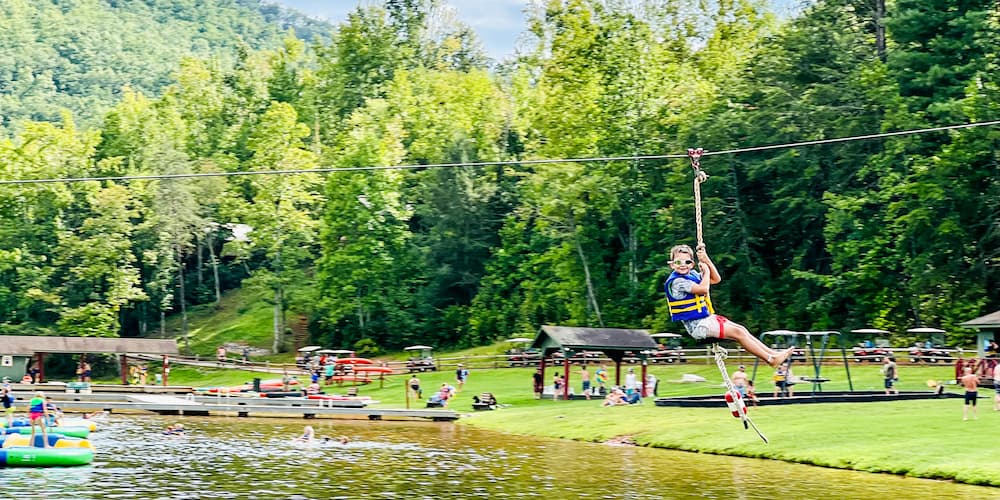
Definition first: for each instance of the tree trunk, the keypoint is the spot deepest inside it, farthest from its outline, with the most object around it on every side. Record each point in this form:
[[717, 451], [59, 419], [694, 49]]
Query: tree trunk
[[182, 299], [215, 271], [201, 263], [590, 285], [276, 346], [880, 29]]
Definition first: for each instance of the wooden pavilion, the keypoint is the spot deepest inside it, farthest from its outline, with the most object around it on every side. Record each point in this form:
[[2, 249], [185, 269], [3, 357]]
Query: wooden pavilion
[[38, 346], [613, 342]]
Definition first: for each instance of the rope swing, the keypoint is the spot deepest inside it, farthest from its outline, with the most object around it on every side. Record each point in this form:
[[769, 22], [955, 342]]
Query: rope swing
[[695, 154]]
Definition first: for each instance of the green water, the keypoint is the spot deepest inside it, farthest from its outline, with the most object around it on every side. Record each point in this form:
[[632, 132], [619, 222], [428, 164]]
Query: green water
[[257, 458]]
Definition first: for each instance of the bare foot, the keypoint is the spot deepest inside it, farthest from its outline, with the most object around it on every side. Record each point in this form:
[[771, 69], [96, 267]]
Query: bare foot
[[781, 357]]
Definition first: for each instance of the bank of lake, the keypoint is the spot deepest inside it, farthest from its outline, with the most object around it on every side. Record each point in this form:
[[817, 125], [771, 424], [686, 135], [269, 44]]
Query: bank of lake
[[921, 438]]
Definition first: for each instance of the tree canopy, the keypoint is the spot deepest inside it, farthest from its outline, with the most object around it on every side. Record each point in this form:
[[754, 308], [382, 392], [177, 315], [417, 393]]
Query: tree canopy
[[891, 232]]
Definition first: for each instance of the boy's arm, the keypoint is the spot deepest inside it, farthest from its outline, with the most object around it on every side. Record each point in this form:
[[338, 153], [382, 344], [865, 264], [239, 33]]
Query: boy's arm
[[713, 275]]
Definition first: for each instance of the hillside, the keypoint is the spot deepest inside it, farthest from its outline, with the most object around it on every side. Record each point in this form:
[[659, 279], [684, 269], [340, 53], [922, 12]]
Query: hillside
[[242, 317], [79, 55]]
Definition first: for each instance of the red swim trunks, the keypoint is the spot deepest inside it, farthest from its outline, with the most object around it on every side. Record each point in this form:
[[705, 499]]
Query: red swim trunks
[[722, 325]]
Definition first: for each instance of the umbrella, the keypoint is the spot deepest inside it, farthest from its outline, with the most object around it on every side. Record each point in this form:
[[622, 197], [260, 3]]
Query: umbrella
[[519, 339], [310, 348], [417, 348]]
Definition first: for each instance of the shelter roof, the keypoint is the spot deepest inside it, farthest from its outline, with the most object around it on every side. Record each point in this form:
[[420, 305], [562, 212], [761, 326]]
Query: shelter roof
[[990, 321], [583, 338], [30, 344]]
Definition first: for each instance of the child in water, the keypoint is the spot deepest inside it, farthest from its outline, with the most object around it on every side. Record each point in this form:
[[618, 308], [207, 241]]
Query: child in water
[[308, 435]]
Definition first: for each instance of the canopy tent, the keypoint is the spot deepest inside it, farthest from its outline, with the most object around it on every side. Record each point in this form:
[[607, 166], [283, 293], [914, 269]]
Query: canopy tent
[[613, 342]]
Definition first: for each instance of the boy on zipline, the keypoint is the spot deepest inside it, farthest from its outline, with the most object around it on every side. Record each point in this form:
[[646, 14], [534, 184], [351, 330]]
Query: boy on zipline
[[687, 296]]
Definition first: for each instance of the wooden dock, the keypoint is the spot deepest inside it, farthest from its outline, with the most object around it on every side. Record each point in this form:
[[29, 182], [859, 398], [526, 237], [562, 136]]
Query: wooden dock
[[241, 407]]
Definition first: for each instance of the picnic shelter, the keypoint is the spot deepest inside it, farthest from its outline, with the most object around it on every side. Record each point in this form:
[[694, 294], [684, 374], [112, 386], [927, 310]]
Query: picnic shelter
[[615, 343]]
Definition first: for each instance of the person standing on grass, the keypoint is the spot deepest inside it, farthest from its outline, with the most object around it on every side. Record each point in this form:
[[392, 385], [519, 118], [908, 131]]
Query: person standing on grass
[[539, 383], [739, 379], [890, 372], [971, 383], [414, 384], [585, 380], [460, 375]]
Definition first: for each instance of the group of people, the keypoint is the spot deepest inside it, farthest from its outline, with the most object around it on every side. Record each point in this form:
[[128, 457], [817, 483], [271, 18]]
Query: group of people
[[596, 387], [42, 413], [618, 396]]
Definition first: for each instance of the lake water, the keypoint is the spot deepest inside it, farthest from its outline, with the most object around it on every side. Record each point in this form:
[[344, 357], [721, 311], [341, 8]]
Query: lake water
[[256, 458]]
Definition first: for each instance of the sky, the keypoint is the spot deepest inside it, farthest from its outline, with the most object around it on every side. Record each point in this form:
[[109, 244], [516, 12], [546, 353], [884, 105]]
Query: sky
[[497, 22]]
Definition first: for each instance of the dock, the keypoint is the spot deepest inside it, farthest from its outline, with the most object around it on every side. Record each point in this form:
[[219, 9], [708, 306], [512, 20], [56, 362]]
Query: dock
[[192, 405]]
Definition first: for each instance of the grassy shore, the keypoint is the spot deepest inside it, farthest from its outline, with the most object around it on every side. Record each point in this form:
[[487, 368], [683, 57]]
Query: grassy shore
[[925, 438]]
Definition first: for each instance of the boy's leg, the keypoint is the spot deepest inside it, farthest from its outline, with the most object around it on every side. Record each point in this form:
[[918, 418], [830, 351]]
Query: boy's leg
[[739, 333]]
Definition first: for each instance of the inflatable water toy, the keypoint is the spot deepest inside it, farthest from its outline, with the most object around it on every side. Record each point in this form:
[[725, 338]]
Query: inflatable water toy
[[29, 456], [55, 440], [78, 431], [63, 422]]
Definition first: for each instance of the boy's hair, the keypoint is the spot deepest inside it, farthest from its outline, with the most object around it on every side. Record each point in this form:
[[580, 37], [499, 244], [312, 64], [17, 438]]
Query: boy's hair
[[680, 249]]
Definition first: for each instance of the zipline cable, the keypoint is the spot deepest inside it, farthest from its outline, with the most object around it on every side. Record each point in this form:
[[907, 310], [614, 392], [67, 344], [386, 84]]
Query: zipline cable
[[495, 163]]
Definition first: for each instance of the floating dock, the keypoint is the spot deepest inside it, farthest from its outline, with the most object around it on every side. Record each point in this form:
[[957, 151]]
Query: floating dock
[[240, 406]]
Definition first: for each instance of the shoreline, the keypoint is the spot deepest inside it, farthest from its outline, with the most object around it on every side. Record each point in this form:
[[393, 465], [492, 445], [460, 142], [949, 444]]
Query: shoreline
[[907, 438]]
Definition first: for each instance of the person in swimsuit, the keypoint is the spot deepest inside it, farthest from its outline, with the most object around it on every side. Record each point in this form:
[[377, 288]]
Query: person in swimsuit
[[36, 413], [971, 383], [688, 299]]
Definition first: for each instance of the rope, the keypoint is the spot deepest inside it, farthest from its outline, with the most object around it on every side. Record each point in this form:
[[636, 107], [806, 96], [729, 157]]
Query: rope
[[497, 163], [720, 360], [699, 176]]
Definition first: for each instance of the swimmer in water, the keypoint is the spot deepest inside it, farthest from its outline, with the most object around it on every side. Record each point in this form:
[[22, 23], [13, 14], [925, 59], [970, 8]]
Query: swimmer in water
[[308, 434]]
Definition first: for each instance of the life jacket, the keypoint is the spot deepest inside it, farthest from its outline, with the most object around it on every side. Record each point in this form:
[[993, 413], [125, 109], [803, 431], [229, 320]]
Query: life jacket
[[690, 306]]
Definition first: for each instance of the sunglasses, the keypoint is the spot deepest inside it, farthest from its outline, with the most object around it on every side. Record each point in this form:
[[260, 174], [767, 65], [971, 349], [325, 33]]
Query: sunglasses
[[683, 262]]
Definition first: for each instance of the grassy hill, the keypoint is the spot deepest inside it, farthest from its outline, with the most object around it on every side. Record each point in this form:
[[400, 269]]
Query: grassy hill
[[242, 317]]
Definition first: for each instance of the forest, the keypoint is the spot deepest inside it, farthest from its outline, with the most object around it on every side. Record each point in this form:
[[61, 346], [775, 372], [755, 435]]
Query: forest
[[386, 183]]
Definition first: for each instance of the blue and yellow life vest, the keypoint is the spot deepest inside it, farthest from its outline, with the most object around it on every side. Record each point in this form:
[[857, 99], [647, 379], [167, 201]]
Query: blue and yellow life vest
[[691, 306]]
